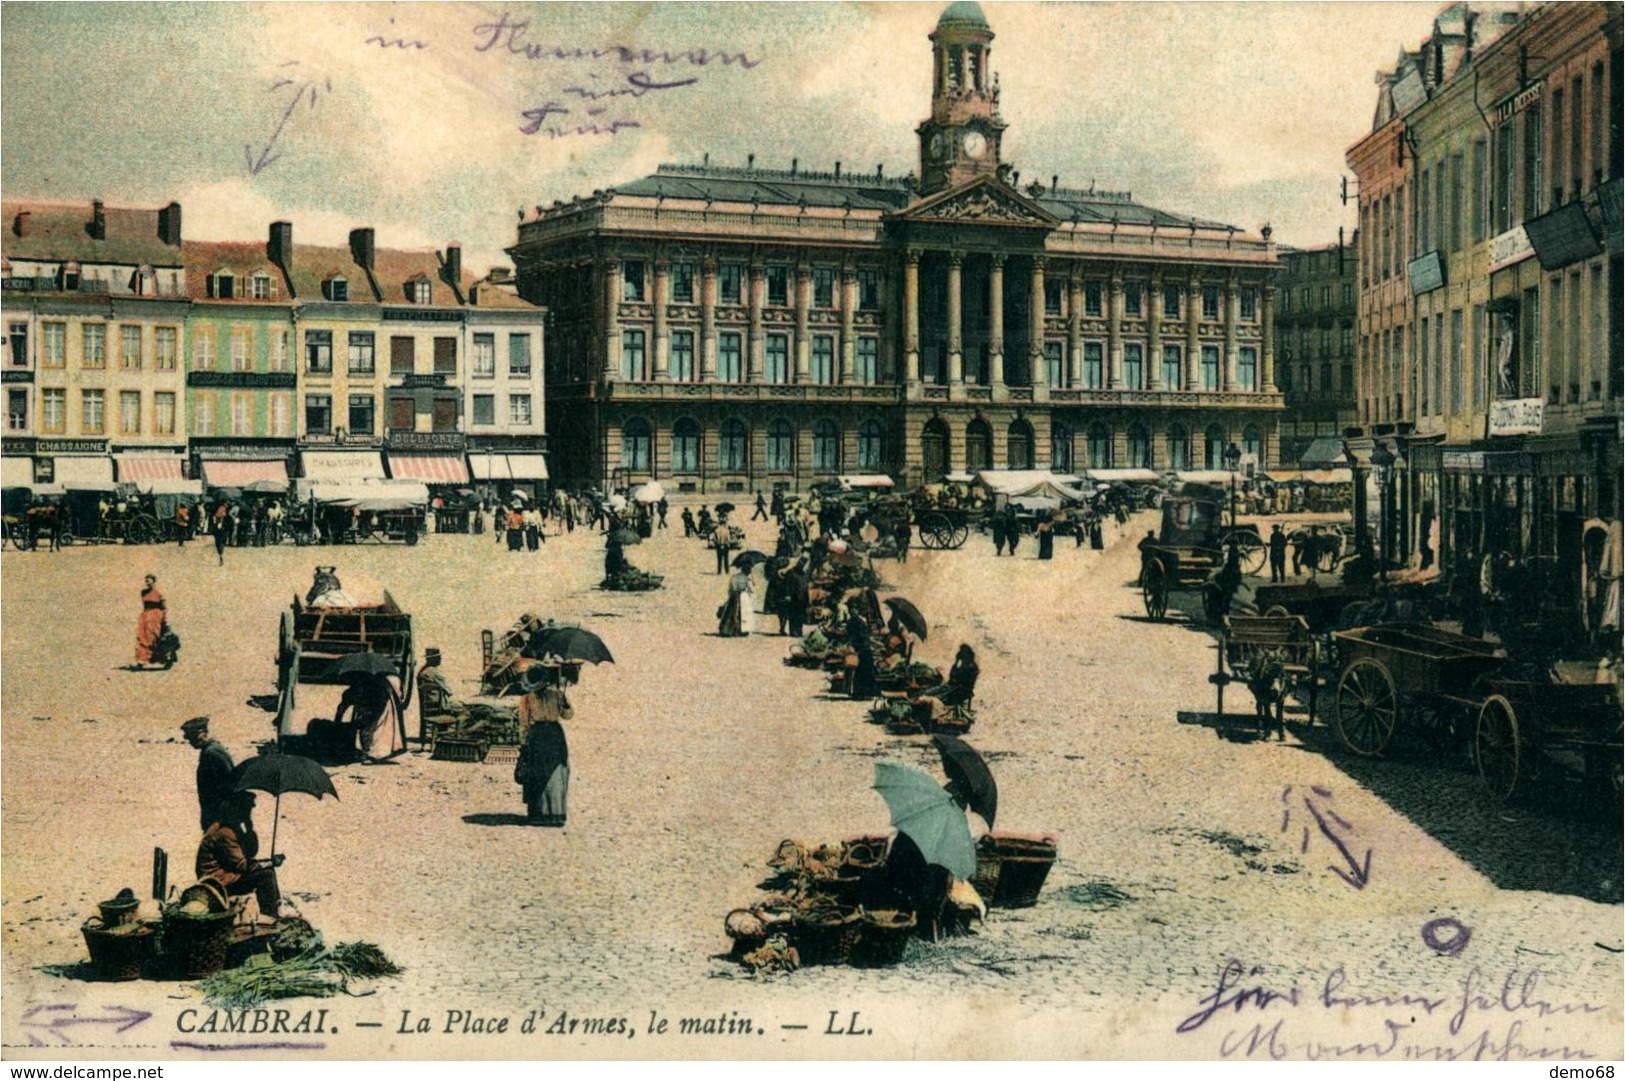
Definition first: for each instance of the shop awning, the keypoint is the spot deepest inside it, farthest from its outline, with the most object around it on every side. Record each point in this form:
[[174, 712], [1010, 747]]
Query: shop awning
[[867, 480], [1324, 452], [342, 466], [1025, 481], [233, 473], [142, 469], [16, 472], [508, 466], [85, 474], [367, 495], [1125, 476], [429, 468]]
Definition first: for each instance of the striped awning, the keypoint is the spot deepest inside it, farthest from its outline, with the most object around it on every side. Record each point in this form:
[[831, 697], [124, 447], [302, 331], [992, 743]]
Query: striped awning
[[139, 468], [508, 466], [429, 468], [236, 473]]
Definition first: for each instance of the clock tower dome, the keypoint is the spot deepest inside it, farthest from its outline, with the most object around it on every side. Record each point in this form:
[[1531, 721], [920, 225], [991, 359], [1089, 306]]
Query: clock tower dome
[[961, 139]]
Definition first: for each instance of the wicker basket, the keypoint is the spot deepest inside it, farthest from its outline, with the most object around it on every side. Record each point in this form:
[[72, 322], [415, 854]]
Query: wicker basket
[[842, 888], [195, 946], [458, 750], [502, 755], [1011, 867], [826, 941], [864, 852], [883, 939], [122, 953]]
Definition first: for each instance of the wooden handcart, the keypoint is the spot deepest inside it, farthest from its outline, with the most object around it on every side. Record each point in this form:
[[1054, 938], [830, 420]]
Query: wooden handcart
[[1409, 672]]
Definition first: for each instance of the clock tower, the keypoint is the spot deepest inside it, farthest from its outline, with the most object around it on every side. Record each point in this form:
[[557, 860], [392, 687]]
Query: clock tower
[[961, 139]]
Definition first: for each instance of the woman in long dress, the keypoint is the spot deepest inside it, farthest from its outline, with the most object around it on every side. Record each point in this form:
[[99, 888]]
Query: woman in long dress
[[373, 706], [737, 613], [150, 626], [543, 772]]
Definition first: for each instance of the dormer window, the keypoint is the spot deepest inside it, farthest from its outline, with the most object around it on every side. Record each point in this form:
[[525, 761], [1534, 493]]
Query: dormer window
[[418, 291], [336, 287], [145, 282], [70, 277], [223, 285], [262, 286]]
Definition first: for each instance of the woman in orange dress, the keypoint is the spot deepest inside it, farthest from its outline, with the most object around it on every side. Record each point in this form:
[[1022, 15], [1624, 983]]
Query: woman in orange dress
[[151, 624]]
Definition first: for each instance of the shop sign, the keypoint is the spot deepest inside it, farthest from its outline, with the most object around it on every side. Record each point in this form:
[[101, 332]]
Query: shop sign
[[1463, 461], [71, 446], [1517, 416], [1510, 247]]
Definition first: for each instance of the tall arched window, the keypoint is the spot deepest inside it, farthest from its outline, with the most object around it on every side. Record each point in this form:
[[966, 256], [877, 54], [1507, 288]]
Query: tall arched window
[[685, 446], [871, 446], [978, 445], [1019, 451], [1100, 447], [1139, 447], [826, 447], [1179, 449], [1252, 442], [635, 445], [1060, 455], [1213, 447], [734, 446], [781, 446], [934, 449]]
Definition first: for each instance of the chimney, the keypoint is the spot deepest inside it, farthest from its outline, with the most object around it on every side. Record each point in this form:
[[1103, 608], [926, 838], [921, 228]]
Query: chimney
[[169, 225], [837, 170], [794, 162], [750, 161], [880, 170], [1054, 182], [279, 248], [361, 247], [20, 225], [98, 219], [454, 264]]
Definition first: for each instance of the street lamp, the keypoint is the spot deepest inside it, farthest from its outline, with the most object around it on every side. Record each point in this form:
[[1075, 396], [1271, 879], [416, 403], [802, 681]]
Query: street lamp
[[1382, 460], [1232, 462]]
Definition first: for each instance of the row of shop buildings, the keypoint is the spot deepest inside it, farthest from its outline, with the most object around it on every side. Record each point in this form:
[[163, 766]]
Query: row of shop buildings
[[134, 355], [1490, 363]]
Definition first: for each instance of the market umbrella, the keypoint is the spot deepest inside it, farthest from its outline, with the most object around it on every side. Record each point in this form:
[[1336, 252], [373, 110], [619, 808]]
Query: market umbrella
[[926, 815], [355, 665], [908, 615], [276, 773], [266, 487], [616, 502], [725, 508], [624, 536], [749, 558], [653, 492], [570, 644], [971, 778]]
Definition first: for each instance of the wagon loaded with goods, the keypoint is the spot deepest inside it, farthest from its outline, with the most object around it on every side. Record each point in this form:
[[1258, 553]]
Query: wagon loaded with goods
[[1191, 546]]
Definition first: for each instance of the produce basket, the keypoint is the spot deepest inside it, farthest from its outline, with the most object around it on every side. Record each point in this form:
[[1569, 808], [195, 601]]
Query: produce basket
[[864, 852], [458, 750], [122, 951], [826, 937], [502, 755], [195, 945], [883, 938], [1011, 867]]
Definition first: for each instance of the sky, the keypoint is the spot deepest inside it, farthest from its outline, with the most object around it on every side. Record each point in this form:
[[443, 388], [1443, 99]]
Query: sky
[[439, 122]]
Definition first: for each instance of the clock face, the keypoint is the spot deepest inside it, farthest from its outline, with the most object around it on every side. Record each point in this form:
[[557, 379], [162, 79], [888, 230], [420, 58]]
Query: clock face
[[975, 144], [937, 145]]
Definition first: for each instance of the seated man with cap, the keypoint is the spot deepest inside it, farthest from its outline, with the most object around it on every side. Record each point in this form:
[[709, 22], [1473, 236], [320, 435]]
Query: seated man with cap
[[438, 705], [226, 854]]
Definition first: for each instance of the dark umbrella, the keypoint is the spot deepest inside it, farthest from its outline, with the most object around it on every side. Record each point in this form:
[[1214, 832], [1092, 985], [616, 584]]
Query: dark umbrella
[[725, 508], [968, 772], [624, 537], [353, 666], [908, 615], [749, 558], [924, 813], [570, 644], [278, 773]]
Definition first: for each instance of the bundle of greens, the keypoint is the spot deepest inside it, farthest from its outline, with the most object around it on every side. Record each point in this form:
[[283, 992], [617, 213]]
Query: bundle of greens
[[316, 972]]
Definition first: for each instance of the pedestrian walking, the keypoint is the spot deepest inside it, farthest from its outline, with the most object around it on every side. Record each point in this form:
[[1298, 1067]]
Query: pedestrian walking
[[151, 627], [1147, 543], [183, 524], [661, 508], [778, 506], [516, 529], [704, 526], [688, 522], [214, 771], [997, 526], [736, 617], [905, 537], [543, 770], [1277, 554], [760, 514], [1046, 539], [533, 529], [221, 531], [1012, 529], [721, 541]]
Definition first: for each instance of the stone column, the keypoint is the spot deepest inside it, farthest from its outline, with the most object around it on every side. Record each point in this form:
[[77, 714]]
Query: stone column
[[611, 271], [1152, 306], [911, 315], [995, 337], [1232, 310], [1035, 326], [803, 305], [1074, 328], [886, 364], [756, 346], [1266, 315], [849, 305], [1114, 332], [956, 356], [662, 342], [708, 321], [1193, 344]]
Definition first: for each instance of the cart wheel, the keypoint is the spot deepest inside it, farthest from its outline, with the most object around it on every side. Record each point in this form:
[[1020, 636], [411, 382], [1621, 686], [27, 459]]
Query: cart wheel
[[141, 531], [1249, 551], [1367, 707], [67, 538], [960, 534], [1276, 611], [936, 531], [1495, 747], [1155, 590], [285, 637]]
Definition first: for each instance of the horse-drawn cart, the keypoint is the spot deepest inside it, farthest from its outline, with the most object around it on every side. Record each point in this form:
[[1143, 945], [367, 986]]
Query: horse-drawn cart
[[1523, 727], [320, 630], [1413, 672], [1190, 547]]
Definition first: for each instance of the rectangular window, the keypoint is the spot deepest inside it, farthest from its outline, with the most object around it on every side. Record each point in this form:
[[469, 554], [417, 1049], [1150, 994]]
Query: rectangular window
[[1247, 368], [362, 407], [319, 352], [1134, 365], [1052, 295], [729, 368], [402, 355], [362, 353], [868, 290], [17, 340], [1092, 375], [485, 409], [1557, 147], [163, 413], [1456, 375], [867, 360], [682, 356], [16, 410], [632, 354], [53, 410], [402, 415], [1478, 205], [1424, 206], [1457, 195], [823, 287], [1599, 129], [1210, 302], [282, 414], [129, 412], [1534, 159], [1576, 135], [1482, 360], [92, 412], [485, 356], [1173, 357], [1092, 293], [242, 349], [1423, 361], [519, 409], [260, 287], [203, 413], [445, 355], [1210, 367], [95, 342], [1170, 302], [279, 349], [242, 414], [1503, 179], [56, 344], [318, 414], [778, 285], [519, 356], [778, 358], [129, 347], [632, 281], [729, 276], [823, 359], [682, 283], [1249, 302], [1555, 314], [1530, 327], [166, 341], [1439, 362]]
